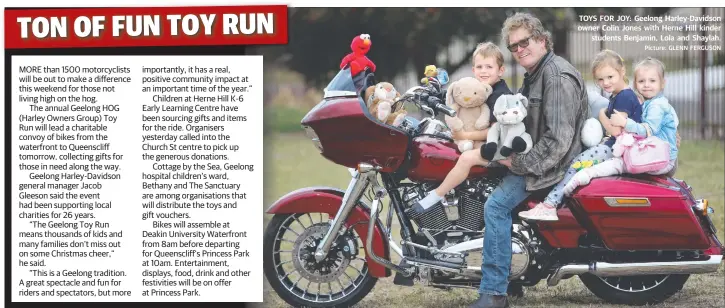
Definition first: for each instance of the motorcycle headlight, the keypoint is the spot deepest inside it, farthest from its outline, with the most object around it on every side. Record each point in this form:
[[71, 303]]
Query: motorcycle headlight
[[313, 136]]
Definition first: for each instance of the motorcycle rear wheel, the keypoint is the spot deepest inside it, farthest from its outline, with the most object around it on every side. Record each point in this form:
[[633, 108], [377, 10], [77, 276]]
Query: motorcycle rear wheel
[[634, 290], [300, 281]]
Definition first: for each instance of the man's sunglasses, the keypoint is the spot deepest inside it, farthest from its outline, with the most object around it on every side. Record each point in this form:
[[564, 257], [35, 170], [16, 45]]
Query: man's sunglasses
[[523, 43]]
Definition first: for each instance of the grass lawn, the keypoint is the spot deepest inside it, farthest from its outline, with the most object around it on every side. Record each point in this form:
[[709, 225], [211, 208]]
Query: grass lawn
[[292, 162]]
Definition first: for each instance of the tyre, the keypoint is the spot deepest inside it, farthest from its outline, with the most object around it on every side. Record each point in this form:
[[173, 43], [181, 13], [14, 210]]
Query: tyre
[[634, 290], [341, 280]]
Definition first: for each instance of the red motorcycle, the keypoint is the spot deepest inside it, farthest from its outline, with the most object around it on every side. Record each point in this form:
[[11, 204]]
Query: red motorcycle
[[631, 239]]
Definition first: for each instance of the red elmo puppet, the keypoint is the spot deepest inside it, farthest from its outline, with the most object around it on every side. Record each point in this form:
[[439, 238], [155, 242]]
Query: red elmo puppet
[[357, 59]]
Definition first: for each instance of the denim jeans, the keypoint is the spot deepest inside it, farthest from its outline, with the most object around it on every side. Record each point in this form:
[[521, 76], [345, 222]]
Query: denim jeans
[[497, 235]]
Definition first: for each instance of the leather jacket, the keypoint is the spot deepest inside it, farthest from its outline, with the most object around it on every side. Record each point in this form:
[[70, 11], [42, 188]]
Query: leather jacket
[[558, 107]]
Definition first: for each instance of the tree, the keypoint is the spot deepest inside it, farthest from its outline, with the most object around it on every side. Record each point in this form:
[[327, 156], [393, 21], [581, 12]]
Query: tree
[[320, 37]]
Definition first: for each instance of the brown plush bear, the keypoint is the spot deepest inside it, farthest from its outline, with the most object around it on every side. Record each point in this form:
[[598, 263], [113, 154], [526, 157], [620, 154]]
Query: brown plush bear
[[381, 101], [467, 97]]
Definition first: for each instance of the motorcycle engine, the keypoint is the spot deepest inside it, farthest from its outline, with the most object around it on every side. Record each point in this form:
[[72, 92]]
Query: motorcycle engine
[[456, 224], [459, 212]]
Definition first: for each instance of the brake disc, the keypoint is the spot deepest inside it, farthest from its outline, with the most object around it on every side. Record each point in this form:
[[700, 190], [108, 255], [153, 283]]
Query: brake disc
[[327, 270]]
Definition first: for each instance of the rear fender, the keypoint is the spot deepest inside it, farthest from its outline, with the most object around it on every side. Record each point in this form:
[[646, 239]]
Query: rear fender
[[328, 200]]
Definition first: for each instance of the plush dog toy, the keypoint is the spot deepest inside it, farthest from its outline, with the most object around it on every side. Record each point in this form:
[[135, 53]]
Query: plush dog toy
[[508, 134], [467, 97], [381, 101]]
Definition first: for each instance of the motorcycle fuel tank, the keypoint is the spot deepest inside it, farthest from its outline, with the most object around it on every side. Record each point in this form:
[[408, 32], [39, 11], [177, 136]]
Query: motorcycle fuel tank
[[432, 158], [640, 213]]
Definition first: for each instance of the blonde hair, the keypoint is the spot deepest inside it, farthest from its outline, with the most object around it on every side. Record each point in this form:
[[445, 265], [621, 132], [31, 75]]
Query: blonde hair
[[640, 97], [488, 49], [651, 62], [528, 22], [611, 58]]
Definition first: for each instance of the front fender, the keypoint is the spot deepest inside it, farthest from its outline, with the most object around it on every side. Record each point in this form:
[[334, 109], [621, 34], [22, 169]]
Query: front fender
[[328, 200]]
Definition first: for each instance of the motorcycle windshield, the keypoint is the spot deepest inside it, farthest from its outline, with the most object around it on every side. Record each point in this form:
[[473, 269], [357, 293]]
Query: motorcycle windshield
[[343, 84]]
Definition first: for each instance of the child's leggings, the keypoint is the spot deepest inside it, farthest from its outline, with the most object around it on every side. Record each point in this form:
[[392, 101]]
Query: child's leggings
[[598, 152], [612, 166]]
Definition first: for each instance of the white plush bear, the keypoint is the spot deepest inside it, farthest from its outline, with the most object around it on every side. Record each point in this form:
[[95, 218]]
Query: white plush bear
[[508, 134], [592, 133]]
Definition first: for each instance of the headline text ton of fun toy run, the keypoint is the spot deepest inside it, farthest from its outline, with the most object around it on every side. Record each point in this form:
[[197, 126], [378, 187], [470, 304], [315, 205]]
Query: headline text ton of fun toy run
[[146, 25], [160, 26]]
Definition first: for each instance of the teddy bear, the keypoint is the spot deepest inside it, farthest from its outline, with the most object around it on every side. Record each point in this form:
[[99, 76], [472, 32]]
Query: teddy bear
[[508, 134], [467, 97], [381, 100]]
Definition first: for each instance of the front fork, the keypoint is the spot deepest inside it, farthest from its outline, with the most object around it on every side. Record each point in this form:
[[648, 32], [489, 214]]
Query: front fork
[[357, 186], [360, 181]]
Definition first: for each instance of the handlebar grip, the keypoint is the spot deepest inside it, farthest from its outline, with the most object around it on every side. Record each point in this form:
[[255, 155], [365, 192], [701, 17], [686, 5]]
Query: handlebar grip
[[447, 110], [435, 103], [422, 96]]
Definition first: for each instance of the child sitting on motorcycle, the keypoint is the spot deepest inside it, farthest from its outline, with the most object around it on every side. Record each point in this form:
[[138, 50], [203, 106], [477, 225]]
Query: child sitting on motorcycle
[[659, 119], [609, 72], [487, 65]]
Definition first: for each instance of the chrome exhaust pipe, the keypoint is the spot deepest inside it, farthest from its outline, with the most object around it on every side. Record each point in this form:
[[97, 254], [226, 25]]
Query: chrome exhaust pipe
[[604, 269]]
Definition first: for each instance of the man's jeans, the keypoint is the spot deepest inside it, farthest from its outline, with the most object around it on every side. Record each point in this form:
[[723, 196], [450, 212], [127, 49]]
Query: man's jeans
[[497, 235]]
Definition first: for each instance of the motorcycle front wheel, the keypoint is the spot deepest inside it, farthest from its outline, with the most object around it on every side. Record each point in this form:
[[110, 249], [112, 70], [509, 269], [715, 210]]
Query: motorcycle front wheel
[[341, 280]]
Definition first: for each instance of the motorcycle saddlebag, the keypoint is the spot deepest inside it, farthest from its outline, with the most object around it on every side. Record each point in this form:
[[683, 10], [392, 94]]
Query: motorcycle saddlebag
[[639, 213]]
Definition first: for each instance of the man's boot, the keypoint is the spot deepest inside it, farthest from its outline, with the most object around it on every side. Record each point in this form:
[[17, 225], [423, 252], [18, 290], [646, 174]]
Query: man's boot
[[491, 301], [515, 290]]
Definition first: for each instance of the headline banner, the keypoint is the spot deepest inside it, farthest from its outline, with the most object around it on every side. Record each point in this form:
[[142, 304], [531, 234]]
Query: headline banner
[[149, 26]]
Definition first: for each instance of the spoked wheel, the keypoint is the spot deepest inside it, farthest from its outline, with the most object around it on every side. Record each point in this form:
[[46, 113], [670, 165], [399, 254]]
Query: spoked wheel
[[635, 290], [290, 242]]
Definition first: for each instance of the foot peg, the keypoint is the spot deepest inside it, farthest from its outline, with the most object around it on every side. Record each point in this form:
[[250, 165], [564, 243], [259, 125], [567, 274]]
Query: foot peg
[[402, 280]]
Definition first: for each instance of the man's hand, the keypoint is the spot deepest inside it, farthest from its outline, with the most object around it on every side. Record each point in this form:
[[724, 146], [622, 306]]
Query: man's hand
[[619, 118], [506, 162]]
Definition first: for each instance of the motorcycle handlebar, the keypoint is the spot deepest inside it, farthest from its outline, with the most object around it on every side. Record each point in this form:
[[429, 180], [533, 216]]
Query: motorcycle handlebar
[[436, 104], [447, 110], [429, 102]]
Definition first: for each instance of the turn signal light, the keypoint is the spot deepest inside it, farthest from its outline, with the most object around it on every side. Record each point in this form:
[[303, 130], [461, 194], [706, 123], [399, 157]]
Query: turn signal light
[[632, 201], [627, 202], [705, 207]]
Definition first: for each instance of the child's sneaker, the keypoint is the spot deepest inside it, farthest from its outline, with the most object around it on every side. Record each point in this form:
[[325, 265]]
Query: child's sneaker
[[427, 203], [541, 211]]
